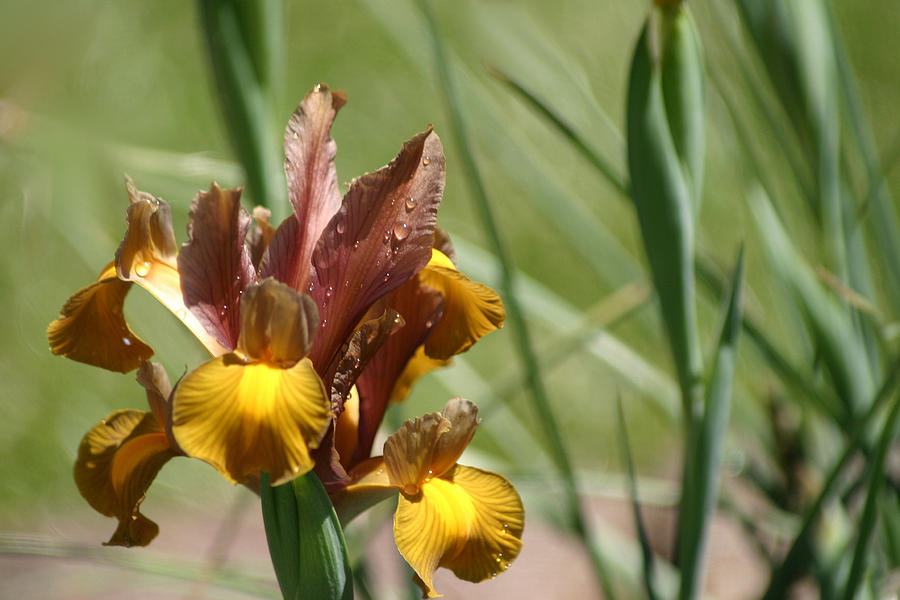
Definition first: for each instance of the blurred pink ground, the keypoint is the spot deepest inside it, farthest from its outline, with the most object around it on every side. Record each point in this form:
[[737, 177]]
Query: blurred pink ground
[[551, 566]]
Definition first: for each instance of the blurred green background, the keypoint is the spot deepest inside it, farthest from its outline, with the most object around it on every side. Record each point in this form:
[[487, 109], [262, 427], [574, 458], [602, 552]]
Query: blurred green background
[[90, 91]]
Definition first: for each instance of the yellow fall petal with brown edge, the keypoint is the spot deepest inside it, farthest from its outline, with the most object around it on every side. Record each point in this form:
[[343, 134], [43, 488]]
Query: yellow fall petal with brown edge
[[469, 521], [117, 461], [91, 327], [471, 309], [147, 257], [243, 418], [418, 365]]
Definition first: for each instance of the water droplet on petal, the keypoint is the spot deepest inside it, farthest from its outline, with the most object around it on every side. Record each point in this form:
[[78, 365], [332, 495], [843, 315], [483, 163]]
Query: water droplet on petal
[[387, 276], [324, 323], [426, 160], [126, 341], [309, 288], [387, 235], [142, 269], [356, 244], [410, 203], [428, 324], [340, 227], [346, 283], [401, 231], [329, 291]]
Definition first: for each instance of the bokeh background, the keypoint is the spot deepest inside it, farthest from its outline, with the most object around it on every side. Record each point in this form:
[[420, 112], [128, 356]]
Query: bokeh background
[[90, 91]]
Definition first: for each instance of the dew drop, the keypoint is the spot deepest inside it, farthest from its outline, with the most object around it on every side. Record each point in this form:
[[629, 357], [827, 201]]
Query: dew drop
[[329, 291], [319, 87], [494, 574], [357, 362], [324, 323], [401, 231], [410, 203], [294, 135], [126, 341], [346, 283], [142, 269], [387, 235], [426, 160], [428, 324], [340, 227], [309, 288], [223, 310], [387, 276], [356, 244], [237, 277]]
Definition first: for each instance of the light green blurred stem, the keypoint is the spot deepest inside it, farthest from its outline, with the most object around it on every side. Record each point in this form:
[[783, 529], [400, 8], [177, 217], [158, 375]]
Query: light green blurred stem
[[520, 329], [243, 39]]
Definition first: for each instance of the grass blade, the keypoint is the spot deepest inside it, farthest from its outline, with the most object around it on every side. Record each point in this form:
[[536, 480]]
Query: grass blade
[[870, 511], [615, 179], [647, 558], [516, 317], [798, 557], [701, 493]]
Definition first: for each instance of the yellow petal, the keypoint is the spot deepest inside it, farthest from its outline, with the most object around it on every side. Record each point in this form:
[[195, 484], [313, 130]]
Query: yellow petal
[[369, 484], [418, 365], [117, 461], [471, 309], [147, 256], [494, 538], [463, 417], [346, 428], [92, 329], [243, 418], [470, 521], [408, 452]]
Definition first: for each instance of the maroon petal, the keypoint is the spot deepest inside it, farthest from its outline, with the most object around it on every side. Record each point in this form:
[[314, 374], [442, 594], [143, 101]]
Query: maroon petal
[[261, 234], [421, 308], [381, 237], [215, 264], [312, 184]]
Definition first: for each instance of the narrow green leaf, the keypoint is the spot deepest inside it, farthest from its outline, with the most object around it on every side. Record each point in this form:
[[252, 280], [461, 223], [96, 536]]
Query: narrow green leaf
[[280, 519], [798, 557], [647, 557], [700, 490], [828, 321], [615, 179], [869, 515]]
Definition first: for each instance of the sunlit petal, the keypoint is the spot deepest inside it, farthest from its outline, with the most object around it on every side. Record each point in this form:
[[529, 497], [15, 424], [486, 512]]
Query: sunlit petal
[[378, 240], [215, 265], [418, 365], [147, 256], [243, 418], [277, 323], [154, 379], [408, 452], [463, 418], [369, 484], [471, 309], [312, 185], [117, 461], [92, 329], [260, 235]]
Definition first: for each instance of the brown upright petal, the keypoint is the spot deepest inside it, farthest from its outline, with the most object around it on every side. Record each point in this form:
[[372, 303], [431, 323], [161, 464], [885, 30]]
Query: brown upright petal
[[421, 308], [312, 184], [92, 329], [463, 417], [381, 237], [215, 264]]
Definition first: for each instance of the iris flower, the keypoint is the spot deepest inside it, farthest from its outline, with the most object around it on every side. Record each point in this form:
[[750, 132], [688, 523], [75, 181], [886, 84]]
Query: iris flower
[[360, 290]]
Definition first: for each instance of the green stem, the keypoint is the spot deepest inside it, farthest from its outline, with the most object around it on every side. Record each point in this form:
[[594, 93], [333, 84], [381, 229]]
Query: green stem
[[520, 330]]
